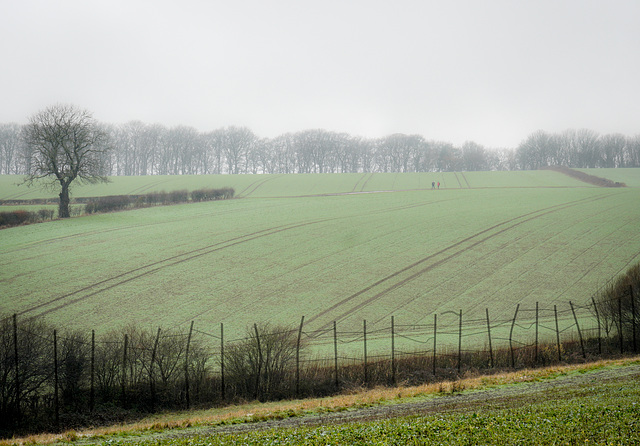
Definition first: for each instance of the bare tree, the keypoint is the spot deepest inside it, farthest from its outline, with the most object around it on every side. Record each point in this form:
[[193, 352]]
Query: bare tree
[[9, 149], [64, 143]]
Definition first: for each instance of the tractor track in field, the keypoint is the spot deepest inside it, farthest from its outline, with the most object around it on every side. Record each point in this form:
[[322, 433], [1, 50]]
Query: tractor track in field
[[251, 188], [465, 180], [458, 180], [362, 178], [512, 223], [130, 275], [366, 181], [136, 273]]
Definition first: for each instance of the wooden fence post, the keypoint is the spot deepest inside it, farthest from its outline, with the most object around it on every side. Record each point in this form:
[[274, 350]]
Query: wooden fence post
[[460, 344], [393, 353], [513, 324], [575, 318], [222, 389], [56, 385], [489, 334], [18, 412], [595, 308], [620, 335], [335, 355], [124, 370], [257, 394], [186, 368], [633, 319], [152, 379], [298, 357], [537, 330], [555, 311], [435, 331], [366, 374], [92, 394]]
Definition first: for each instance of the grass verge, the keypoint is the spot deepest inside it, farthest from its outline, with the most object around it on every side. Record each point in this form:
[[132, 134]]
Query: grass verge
[[615, 402]]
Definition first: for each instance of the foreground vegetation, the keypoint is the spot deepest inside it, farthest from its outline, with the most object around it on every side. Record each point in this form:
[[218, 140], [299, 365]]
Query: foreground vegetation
[[599, 409]]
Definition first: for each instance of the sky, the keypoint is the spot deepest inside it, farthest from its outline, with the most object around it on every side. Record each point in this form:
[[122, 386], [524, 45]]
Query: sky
[[488, 71]]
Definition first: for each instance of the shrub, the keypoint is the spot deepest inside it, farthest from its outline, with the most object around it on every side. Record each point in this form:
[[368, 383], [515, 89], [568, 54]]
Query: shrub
[[108, 204], [258, 366], [618, 303], [178, 196], [16, 218], [212, 194]]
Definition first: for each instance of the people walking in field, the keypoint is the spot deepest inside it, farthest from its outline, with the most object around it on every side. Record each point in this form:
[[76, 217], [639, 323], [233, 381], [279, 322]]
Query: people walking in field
[[433, 185], [438, 184]]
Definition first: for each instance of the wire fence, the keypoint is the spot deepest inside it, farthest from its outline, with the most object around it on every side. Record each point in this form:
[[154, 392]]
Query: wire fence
[[46, 374]]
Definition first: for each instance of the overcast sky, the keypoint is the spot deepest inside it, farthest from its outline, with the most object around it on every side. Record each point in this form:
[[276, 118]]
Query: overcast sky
[[488, 71]]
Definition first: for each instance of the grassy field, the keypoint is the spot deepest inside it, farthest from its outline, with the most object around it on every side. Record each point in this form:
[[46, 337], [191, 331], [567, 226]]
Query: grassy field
[[313, 246], [306, 184]]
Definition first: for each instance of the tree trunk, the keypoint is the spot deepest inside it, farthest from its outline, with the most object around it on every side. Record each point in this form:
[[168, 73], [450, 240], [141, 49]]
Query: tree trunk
[[63, 208]]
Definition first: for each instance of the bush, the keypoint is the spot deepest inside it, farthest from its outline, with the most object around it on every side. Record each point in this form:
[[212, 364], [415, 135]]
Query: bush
[[618, 303], [16, 218], [178, 196], [258, 366], [212, 194], [108, 204]]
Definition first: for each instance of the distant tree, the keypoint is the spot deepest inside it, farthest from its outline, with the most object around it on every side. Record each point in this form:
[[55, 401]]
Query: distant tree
[[474, 157], [9, 149], [63, 144]]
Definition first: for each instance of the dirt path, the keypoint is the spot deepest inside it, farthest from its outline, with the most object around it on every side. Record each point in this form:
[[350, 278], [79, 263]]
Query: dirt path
[[502, 397]]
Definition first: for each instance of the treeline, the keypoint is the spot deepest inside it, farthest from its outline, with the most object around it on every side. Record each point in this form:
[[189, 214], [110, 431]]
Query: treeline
[[153, 149]]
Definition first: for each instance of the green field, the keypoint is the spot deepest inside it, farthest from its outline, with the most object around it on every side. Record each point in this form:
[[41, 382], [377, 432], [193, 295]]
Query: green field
[[603, 413], [314, 246]]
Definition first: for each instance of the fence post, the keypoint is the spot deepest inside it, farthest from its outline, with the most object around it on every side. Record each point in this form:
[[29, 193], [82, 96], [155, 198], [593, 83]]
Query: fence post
[[393, 353], [17, 369], [335, 353], [555, 311], [537, 329], [460, 344], [152, 379], [489, 333], [595, 308], [257, 395], [298, 357], [366, 374], [222, 395], [186, 367], [56, 397], [633, 319], [435, 331], [513, 324], [124, 370], [92, 394], [575, 318], [620, 335]]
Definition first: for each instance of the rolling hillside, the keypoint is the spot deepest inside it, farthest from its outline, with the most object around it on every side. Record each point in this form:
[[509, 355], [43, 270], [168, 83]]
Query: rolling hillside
[[319, 246]]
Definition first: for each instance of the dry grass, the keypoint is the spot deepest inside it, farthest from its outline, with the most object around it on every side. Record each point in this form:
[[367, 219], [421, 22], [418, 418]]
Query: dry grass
[[256, 411]]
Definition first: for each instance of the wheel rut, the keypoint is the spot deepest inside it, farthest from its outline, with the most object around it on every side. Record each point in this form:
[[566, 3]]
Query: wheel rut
[[416, 269], [62, 301]]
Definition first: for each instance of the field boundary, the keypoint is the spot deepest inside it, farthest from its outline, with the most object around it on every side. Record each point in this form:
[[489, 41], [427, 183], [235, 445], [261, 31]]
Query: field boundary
[[585, 177]]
